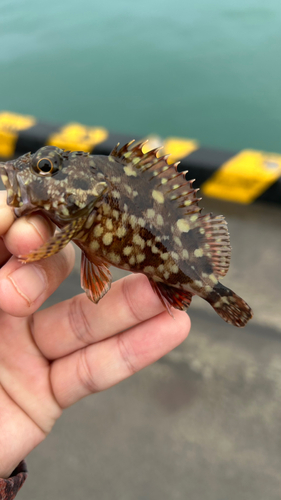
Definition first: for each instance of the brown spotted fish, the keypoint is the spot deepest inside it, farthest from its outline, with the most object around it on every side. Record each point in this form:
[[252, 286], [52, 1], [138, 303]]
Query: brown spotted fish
[[131, 210]]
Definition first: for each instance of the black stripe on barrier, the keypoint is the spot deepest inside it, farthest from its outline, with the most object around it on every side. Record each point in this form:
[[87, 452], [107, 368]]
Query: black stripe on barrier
[[34, 138], [105, 147], [203, 162], [243, 176], [272, 194]]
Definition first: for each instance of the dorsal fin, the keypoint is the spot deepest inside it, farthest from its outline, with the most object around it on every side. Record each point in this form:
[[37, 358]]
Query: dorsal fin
[[166, 178], [169, 184], [135, 156]]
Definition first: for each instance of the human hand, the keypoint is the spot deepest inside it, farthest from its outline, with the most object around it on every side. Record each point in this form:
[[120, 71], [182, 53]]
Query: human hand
[[50, 359]]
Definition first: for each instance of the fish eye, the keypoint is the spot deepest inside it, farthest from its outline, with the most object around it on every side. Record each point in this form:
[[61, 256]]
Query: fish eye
[[47, 161], [45, 166]]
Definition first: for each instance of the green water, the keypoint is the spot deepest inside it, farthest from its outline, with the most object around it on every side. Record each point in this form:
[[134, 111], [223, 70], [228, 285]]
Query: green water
[[204, 69]]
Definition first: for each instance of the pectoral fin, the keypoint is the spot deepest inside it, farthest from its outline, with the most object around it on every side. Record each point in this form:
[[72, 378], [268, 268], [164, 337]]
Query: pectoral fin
[[55, 243], [95, 278]]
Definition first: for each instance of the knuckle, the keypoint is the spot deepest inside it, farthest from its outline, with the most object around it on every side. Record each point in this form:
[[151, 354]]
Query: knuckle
[[126, 355], [78, 321], [84, 373], [133, 305]]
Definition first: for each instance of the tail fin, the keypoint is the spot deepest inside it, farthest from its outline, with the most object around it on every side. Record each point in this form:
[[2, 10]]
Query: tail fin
[[229, 306]]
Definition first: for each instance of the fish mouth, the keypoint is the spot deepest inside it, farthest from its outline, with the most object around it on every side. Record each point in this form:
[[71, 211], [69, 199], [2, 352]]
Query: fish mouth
[[17, 195]]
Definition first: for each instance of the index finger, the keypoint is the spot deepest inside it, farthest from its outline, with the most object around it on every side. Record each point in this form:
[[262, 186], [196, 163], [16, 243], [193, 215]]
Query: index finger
[[7, 218]]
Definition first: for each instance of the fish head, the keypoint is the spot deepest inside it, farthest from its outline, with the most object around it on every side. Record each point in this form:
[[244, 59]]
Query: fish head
[[63, 184]]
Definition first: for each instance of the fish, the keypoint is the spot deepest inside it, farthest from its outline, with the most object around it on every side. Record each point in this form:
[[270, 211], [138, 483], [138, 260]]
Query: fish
[[132, 210]]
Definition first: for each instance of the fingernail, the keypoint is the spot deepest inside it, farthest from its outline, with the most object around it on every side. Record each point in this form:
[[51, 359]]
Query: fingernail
[[29, 281]]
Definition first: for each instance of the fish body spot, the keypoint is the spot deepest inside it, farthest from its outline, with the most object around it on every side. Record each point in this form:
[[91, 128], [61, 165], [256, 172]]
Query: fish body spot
[[183, 225], [141, 222], [149, 269], [121, 231], [90, 220], [114, 258], [213, 278], [198, 252], [158, 196], [133, 221], [106, 208], [194, 217], [140, 257], [109, 224], [224, 300], [138, 240], [116, 179], [127, 250], [98, 230], [159, 220], [130, 171], [218, 304], [177, 240], [115, 193], [150, 213], [94, 245], [107, 238]]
